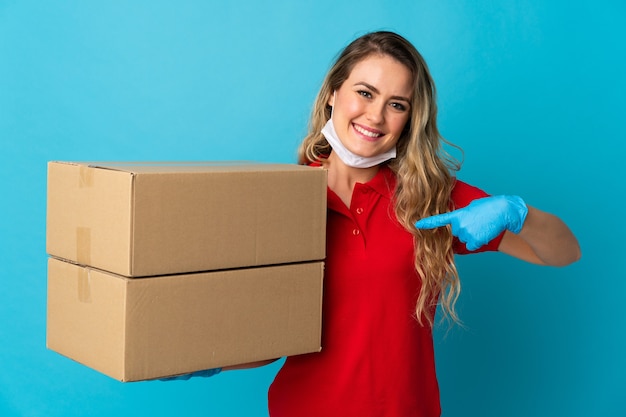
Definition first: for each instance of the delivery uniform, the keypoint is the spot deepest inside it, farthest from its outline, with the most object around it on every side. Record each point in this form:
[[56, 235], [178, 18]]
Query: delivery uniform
[[376, 359]]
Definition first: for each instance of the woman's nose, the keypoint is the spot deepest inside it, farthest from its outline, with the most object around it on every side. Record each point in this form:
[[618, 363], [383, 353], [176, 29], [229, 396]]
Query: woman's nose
[[375, 113]]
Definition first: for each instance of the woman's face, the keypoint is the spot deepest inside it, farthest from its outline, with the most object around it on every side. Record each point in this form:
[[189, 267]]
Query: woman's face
[[373, 105]]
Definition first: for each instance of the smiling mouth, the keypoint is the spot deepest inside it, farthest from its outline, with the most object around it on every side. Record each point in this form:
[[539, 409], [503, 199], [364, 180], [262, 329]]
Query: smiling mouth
[[368, 133]]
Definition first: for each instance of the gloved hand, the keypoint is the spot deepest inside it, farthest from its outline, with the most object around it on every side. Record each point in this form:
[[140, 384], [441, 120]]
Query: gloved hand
[[482, 220], [204, 374]]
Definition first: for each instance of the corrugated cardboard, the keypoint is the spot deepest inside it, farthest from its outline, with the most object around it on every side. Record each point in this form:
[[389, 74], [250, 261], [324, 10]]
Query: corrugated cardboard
[[146, 328], [151, 219]]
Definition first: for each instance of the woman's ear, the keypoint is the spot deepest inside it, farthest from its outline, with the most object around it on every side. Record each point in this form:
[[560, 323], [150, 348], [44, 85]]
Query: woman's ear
[[331, 99]]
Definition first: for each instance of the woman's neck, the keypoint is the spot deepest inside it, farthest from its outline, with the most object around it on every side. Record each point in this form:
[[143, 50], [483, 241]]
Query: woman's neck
[[342, 178]]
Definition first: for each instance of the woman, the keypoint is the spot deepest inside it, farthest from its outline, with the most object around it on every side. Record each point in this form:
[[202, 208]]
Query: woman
[[390, 248]]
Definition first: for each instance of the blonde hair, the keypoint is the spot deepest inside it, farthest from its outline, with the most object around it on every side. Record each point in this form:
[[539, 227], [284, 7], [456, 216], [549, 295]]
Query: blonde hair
[[423, 168]]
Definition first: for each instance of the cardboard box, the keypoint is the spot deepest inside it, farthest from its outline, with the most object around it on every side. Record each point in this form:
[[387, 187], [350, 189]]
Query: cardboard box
[[151, 219], [143, 328]]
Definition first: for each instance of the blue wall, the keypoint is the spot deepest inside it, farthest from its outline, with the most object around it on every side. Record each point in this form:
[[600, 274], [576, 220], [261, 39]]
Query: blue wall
[[533, 91]]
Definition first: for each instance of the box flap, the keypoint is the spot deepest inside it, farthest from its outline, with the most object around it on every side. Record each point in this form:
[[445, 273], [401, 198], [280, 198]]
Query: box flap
[[86, 316], [88, 216]]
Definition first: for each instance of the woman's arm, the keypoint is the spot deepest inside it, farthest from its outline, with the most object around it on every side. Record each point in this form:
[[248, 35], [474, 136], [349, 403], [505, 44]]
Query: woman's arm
[[544, 239], [529, 234]]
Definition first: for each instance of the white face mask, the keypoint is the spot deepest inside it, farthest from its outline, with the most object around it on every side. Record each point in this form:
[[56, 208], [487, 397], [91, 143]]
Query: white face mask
[[345, 154]]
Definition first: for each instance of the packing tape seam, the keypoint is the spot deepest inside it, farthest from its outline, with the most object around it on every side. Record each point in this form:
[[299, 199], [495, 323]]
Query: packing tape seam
[[84, 285], [85, 176], [83, 245]]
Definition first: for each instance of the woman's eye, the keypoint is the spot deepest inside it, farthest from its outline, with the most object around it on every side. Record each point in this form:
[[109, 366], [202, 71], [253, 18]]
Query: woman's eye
[[365, 94], [398, 106]]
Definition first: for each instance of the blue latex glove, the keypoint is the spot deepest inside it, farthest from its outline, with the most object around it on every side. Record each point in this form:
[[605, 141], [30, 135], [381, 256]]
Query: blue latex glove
[[204, 374], [482, 220]]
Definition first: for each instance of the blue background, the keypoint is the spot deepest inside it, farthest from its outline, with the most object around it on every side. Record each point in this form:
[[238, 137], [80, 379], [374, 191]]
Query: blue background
[[533, 91]]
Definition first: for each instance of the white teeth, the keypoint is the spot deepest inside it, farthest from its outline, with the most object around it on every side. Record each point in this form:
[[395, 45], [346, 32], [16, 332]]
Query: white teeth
[[366, 132]]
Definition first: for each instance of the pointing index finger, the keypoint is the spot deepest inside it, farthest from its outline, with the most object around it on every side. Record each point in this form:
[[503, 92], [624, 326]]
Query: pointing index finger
[[433, 222]]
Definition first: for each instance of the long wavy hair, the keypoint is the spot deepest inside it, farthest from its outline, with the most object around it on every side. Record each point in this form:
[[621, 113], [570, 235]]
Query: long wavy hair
[[423, 168]]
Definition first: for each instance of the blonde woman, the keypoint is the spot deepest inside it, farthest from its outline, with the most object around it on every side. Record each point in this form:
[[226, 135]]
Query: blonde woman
[[374, 128]]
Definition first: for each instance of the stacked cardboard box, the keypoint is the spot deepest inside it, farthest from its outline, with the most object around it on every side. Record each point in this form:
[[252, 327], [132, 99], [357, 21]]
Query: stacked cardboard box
[[164, 269]]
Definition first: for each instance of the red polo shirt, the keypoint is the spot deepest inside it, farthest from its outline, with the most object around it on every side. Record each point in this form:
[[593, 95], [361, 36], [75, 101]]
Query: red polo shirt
[[376, 359]]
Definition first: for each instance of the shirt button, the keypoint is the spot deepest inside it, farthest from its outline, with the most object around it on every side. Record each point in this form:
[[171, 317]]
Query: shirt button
[[359, 210], [356, 232]]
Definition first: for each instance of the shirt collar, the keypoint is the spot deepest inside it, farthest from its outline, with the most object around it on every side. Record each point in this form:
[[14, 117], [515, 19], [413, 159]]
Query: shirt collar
[[384, 182]]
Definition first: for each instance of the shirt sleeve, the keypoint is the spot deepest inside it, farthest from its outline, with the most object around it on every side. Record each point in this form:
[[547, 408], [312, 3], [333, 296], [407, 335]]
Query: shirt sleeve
[[462, 195]]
